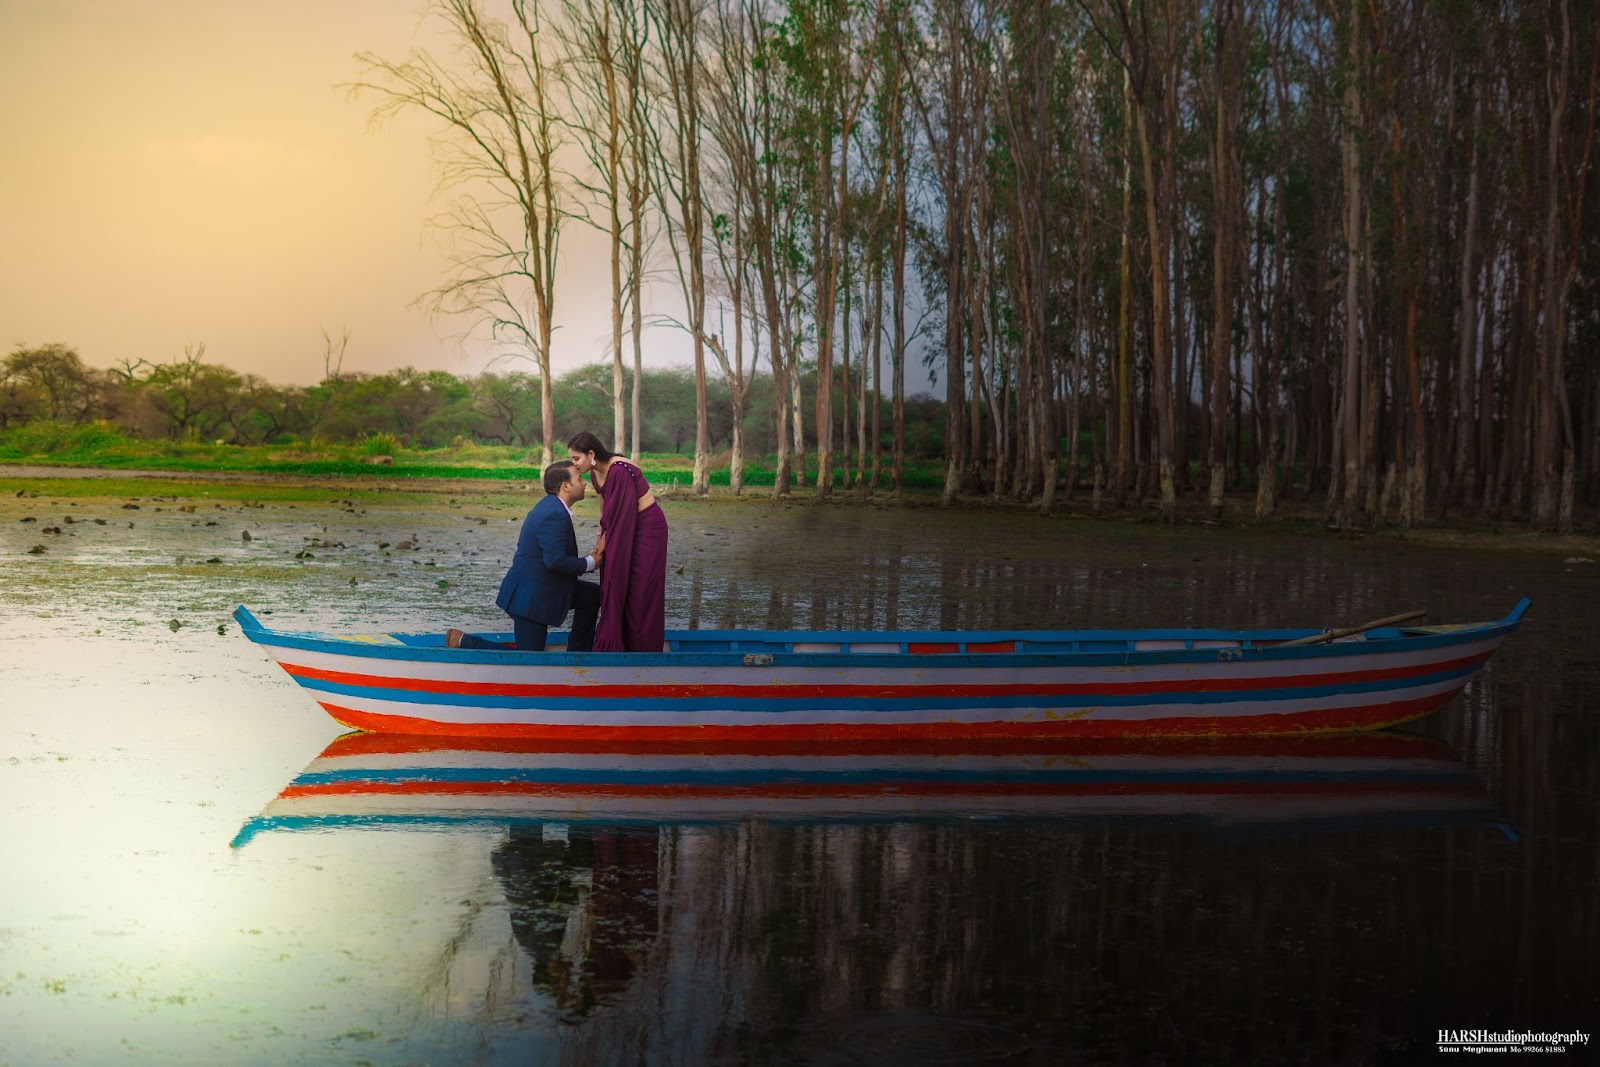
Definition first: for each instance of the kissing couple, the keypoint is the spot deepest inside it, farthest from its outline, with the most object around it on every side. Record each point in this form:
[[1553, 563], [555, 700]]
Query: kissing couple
[[626, 611]]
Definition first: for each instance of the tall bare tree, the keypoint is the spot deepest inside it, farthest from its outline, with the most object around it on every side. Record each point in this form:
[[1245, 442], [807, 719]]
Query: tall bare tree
[[594, 74], [1350, 445], [1569, 147], [502, 136], [637, 175], [745, 127], [1027, 107], [1225, 87], [681, 193]]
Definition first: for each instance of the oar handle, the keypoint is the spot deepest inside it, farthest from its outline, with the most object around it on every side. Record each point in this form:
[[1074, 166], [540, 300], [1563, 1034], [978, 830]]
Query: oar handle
[[1329, 635]]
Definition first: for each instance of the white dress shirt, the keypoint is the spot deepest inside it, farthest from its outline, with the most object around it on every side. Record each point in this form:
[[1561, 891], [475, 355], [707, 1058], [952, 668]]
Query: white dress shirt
[[588, 561]]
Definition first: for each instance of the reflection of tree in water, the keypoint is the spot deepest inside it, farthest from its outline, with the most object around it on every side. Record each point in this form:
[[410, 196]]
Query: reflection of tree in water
[[849, 568], [1011, 943], [584, 908], [981, 941]]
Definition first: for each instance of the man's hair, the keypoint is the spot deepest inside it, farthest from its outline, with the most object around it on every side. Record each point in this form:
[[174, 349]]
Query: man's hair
[[556, 475]]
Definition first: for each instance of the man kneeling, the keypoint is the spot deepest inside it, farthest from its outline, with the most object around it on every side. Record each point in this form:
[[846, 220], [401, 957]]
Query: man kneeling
[[542, 584]]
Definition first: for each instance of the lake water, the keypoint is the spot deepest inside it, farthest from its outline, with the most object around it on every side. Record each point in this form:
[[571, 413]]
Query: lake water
[[1328, 902]]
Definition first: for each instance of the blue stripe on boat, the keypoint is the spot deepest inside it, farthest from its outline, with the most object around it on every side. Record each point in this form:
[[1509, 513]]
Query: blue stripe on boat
[[872, 776]]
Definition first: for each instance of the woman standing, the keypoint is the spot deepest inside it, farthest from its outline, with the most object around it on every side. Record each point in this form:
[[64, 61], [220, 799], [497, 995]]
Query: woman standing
[[633, 581]]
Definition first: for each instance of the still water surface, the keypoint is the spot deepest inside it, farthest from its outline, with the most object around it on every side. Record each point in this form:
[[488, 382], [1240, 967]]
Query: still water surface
[[173, 888]]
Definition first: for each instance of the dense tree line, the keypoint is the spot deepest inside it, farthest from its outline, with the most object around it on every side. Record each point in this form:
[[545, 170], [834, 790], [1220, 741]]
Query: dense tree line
[[193, 399], [1341, 248]]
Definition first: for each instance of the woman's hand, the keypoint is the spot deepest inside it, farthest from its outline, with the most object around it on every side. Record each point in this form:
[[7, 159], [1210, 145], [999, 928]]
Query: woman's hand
[[599, 547]]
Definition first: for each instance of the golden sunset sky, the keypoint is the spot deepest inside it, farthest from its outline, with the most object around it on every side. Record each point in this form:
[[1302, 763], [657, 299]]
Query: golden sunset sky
[[186, 171]]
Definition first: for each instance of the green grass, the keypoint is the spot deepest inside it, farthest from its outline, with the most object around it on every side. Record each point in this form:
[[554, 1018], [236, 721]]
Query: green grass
[[100, 446]]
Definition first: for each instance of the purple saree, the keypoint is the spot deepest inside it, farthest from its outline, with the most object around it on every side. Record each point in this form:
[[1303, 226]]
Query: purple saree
[[633, 573]]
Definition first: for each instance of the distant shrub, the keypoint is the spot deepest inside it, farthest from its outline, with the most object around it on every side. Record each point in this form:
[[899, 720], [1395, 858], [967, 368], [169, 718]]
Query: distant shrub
[[467, 452], [46, 438], [382, 443]]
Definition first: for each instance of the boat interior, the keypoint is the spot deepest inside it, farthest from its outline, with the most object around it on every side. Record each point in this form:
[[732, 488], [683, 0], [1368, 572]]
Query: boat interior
[[757, 642]]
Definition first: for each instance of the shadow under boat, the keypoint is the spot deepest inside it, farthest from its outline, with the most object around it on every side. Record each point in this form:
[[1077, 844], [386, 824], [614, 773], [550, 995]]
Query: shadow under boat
[[1266, 785]]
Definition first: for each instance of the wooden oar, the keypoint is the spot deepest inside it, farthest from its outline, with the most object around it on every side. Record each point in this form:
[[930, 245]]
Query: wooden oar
[[1329, 635]]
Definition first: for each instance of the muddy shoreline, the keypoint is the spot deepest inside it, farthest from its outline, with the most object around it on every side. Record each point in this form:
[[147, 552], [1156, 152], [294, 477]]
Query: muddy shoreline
[[1294, 518]]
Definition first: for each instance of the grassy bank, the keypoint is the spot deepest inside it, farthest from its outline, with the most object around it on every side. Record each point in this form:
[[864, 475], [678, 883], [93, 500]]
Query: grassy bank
[[381, 456], [379, 470]]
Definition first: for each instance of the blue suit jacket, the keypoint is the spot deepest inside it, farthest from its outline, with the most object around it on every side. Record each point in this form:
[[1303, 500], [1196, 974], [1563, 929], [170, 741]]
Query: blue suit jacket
[[545, 570]]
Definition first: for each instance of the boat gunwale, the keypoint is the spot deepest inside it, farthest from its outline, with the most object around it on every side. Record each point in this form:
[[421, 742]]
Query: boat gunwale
[[1401, 639]]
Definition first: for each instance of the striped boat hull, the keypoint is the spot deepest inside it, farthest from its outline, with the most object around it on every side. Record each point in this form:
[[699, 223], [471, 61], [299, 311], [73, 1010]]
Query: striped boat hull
[[895, 686]]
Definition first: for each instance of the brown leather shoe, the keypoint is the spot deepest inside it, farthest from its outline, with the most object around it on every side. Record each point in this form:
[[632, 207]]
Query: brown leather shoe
[[452, 638]]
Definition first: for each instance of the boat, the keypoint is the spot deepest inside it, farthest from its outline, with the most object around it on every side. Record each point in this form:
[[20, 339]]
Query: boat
[[366, 781], [773, 686]]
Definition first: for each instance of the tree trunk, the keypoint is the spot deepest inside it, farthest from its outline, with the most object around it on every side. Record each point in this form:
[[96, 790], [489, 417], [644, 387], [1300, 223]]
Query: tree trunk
[[1124, 377], [877, 379], [1350, 401], [613, 203], [897, 477], [1225, 191], [1464, 470], [845, 334], [1161, 372], [827, 283]]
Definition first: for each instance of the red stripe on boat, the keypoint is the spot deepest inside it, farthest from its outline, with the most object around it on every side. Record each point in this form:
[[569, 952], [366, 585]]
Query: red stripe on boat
[[824, 789], [1327, 720], [943, 689]]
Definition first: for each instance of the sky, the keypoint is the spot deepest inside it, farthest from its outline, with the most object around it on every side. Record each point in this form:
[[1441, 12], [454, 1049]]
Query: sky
[[185, 172]]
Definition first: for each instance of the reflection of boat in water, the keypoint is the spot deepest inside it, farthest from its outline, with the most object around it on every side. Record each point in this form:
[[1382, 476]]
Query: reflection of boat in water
[[379, 780]]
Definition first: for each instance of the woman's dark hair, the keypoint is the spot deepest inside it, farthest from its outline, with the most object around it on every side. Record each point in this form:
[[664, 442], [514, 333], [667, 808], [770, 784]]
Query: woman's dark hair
[[588, 442]]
